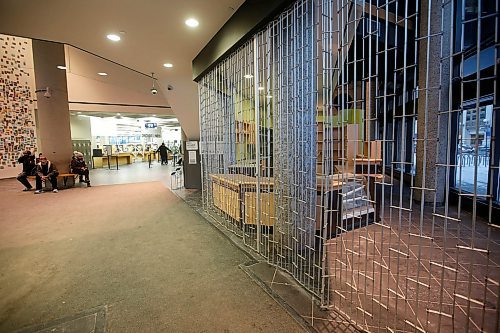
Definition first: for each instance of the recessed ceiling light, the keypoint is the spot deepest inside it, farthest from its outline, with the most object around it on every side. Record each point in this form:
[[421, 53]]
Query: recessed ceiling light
[[248, 76], [61, 67], [168, 65], [102, 74], [191, 22], [113, 37]]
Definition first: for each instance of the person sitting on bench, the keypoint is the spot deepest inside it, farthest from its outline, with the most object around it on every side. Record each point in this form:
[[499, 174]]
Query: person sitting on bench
[[79, 167], [46, 170], [29, 166]]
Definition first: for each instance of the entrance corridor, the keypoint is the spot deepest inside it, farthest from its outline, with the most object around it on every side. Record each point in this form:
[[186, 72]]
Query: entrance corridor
[[126, 255]]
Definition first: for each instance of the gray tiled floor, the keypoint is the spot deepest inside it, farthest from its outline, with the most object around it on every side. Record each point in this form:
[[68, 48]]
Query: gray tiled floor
[[389, 276]]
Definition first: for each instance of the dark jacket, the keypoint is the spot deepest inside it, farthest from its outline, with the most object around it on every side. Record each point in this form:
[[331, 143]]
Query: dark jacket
[[28, 162], [51, 170], [77, 165], [163, 150]]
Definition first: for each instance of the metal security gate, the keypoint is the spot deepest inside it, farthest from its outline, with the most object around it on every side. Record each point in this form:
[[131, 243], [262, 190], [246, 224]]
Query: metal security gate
[[352, 144]]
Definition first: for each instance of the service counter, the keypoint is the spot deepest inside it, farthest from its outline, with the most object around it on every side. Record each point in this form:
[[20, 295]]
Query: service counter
[[147, 154], [121, 159]]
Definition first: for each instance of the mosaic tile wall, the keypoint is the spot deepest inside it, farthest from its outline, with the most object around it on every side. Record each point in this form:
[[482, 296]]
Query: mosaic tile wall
[[17, 120]]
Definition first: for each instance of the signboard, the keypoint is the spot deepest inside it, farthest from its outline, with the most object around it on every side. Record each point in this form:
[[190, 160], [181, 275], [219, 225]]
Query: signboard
[[151, 125], [191, 145], [192, 157]]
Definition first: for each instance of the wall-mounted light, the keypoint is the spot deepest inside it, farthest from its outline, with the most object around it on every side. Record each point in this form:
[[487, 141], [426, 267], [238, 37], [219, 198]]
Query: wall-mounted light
[[46, 92]]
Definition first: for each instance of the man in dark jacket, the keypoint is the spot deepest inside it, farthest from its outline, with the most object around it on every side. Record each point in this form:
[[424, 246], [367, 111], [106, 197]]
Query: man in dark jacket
[[79, 167], [46, 170], [28, 162], [163, 150]]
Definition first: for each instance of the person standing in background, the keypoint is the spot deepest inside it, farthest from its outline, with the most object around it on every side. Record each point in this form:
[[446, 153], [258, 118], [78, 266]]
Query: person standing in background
[[163, 150]]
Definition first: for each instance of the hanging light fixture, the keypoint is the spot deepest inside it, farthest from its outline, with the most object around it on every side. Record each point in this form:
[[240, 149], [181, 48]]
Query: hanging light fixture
[[154, 91]]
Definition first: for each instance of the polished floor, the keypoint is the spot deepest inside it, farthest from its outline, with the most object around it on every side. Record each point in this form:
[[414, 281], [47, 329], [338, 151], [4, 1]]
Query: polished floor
[[125, 255]]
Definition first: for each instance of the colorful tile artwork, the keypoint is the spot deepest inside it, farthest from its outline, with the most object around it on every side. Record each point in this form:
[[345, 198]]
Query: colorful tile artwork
[[17, 119]]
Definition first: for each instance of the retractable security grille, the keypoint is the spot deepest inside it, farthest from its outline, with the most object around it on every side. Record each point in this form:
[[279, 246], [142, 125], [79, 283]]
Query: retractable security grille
[[352, 144]]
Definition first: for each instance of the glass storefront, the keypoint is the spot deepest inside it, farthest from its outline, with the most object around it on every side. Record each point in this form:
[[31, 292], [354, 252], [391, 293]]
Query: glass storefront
[[473, 150]]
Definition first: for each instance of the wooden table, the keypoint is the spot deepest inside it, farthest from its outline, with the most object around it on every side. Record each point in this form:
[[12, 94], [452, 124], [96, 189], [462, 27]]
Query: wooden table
[[236, 195], [367, 165]]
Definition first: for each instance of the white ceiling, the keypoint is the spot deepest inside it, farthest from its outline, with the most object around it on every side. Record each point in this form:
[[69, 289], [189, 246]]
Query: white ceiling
[[154, 33]]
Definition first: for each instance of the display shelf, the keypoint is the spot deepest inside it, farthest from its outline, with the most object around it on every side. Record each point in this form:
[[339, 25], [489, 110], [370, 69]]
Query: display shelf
[[331, 138], [245, 132]]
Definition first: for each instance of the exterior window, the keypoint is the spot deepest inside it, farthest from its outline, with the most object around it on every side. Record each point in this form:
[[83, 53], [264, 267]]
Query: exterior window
[[473, 148]]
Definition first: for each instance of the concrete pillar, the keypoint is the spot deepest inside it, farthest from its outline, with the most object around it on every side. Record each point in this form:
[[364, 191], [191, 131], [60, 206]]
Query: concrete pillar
[[432, 134], [191, 172], [54, 131]]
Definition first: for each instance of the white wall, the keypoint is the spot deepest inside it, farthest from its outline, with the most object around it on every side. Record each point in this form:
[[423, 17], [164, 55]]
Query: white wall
[[169, 134], [80, 128], [103, 126]]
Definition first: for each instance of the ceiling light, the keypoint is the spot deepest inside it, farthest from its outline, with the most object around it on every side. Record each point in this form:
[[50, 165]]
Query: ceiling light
[[61, 67], [113, 37], [154, 91], [191, 22], [102, 74], [261, 88], [269, 96], [248, 76], [168, 65]]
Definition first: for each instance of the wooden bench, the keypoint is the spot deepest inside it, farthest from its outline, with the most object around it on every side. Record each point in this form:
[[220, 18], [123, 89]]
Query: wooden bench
[[64, 176]]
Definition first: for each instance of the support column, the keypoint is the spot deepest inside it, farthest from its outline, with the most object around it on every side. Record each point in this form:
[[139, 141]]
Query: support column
[[433, 79], [192, 172], [54, 130]]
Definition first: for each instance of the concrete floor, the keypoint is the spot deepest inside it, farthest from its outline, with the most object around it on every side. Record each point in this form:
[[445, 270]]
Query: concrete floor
[[130, 257]]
